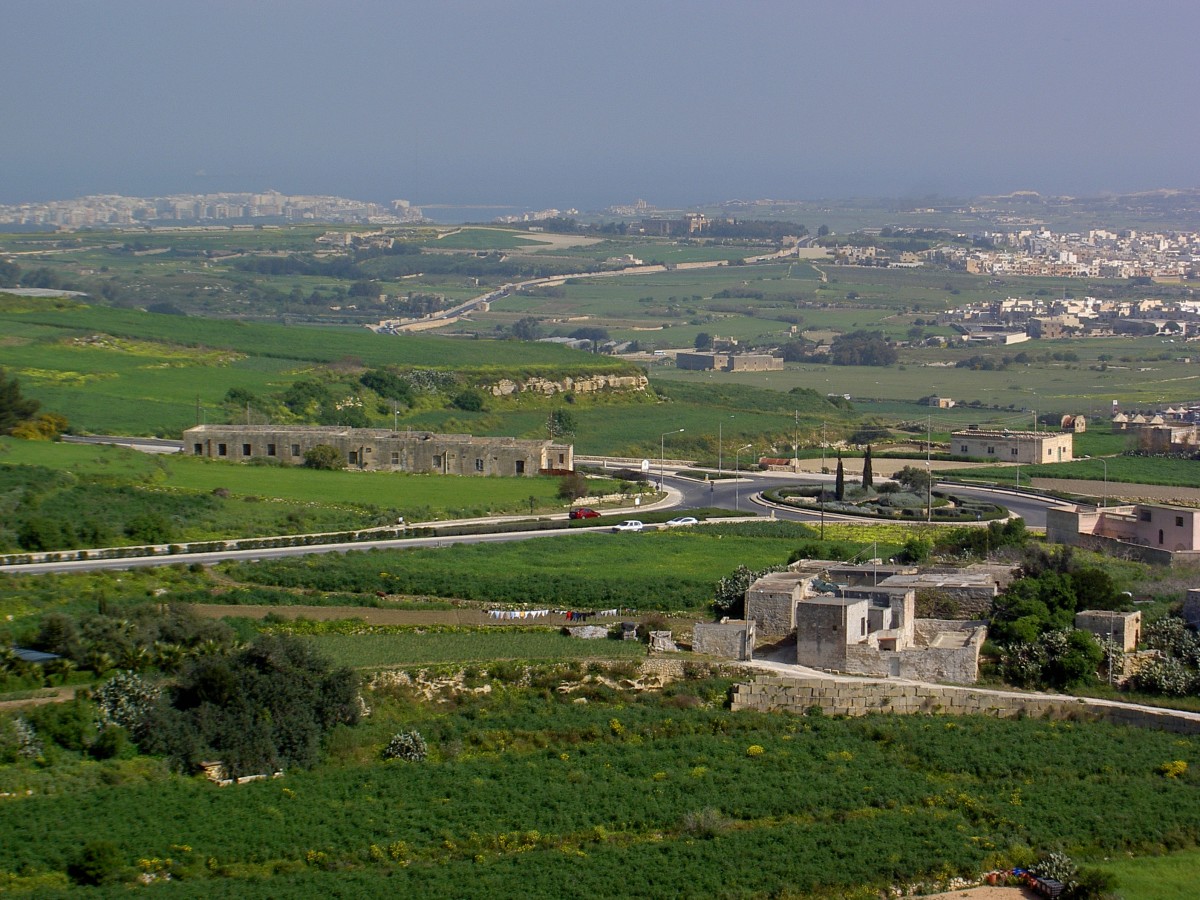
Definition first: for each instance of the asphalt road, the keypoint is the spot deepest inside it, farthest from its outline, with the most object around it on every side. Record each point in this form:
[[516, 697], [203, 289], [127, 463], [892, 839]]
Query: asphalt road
[[737, 494], [733, 494]]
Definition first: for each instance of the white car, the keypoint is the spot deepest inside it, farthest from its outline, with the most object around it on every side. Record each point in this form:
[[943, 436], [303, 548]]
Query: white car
[[630, 525], [682, 520]]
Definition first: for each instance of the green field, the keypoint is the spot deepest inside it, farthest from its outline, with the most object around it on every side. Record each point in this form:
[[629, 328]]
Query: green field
[[661, 570], [1124, 469], [529, 794], [333, 500], [1171, 876], [373, 651], [132, 372]]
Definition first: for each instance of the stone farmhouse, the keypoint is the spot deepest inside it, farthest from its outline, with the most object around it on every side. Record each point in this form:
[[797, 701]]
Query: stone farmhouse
[[861, 619], [728, 362], [1023, 447], [381, 449], [1157, 534]]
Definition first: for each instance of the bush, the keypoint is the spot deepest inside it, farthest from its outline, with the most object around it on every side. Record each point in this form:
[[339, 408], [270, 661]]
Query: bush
[[324, 456], [99, 862], [127, 701], [408, 746]]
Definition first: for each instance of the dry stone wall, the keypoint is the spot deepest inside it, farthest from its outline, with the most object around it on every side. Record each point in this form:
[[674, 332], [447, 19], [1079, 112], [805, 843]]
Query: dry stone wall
[[770, 693]]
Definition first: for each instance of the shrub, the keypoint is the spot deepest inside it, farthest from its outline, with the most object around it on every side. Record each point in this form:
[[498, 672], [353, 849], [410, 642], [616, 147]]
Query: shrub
[[99, 862], [127, 701], [704, 823], [408, 746], [323, 456]]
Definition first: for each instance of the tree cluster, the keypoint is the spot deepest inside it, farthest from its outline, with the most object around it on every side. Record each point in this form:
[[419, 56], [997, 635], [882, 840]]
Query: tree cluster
[[862, 348], [260, 709]]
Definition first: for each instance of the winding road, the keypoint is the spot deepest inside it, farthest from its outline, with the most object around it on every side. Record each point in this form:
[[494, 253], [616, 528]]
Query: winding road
[[743, 494]]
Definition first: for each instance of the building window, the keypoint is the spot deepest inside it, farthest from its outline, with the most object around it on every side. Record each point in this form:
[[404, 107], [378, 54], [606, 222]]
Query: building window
[[270, 449], [1179, 521], [520, 467], [295, 449], [395, 457], [479, 465], [1013, 451], [198, 449], [562, 458], [222, 450], [863, 627], [354, 457], [991, 450], [437, 462], [962, 448], [246, 450], [1144, 515]]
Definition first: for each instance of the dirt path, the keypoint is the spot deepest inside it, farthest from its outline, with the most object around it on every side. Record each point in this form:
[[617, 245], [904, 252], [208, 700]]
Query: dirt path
[[1119, 490], [985, 893], [55, 695], [383, 616]]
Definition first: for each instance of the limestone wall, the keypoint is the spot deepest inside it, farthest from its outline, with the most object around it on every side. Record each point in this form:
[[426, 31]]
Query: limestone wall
[[769, 693], [586, 385], [728, 640], [773, 612]]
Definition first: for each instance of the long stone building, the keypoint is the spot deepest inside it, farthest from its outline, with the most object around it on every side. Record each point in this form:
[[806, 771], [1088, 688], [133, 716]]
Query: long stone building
[[383, 449], [1024, 447]]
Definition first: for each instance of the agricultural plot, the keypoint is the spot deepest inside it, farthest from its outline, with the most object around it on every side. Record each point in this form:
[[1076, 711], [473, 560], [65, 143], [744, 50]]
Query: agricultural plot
[[668, 570], [525, 792], [374, 651], [131, 372], [300, 499]]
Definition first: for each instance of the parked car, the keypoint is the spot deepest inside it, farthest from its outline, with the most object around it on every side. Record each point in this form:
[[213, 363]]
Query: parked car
[[682, 520], [583, 512], [629, 525]]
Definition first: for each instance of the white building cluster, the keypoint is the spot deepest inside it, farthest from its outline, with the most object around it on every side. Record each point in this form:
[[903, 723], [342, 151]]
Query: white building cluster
[[114, 210], [1093, 254]]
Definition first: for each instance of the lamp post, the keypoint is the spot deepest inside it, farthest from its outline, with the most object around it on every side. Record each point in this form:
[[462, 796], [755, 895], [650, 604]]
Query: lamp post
[[928, 492], [1103, 462], [720, 444], [737, 489], [662, 439]]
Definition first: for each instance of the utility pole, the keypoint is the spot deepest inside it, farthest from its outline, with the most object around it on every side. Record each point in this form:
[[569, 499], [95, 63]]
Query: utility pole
[[796, 445]]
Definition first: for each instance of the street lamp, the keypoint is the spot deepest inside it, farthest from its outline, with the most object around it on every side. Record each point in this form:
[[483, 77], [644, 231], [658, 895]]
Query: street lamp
[[662, 438], [928, 492], [1103, 462], [720, 443], [737, 490]]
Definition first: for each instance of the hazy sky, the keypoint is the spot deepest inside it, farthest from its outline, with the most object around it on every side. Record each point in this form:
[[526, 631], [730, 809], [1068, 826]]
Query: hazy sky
[[573, 103]]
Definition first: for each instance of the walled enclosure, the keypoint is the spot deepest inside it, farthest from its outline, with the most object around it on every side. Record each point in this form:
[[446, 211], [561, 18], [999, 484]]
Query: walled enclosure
[[768, 693], [382, 449], [730, 639]]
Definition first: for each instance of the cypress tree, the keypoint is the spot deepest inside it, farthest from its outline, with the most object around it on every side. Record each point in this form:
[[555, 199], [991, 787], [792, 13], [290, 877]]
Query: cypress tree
[[839, 485], [868, 475]]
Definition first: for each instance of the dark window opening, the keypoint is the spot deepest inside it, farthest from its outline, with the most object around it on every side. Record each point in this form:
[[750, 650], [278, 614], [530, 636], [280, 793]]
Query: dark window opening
[[520, 467], [198, 449], [270, 449], [246, 450], [222, 450], [295, 449], [479, 465]]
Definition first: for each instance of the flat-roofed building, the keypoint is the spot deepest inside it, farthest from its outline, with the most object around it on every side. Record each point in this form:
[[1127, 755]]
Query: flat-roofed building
[[1024, 447], [382, 449]]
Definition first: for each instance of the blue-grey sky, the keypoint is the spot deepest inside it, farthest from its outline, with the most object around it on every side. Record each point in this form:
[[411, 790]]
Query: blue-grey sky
[[562, 103]]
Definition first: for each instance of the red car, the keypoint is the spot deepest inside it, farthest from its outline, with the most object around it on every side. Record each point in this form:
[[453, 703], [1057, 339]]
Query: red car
[[583, 512]]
